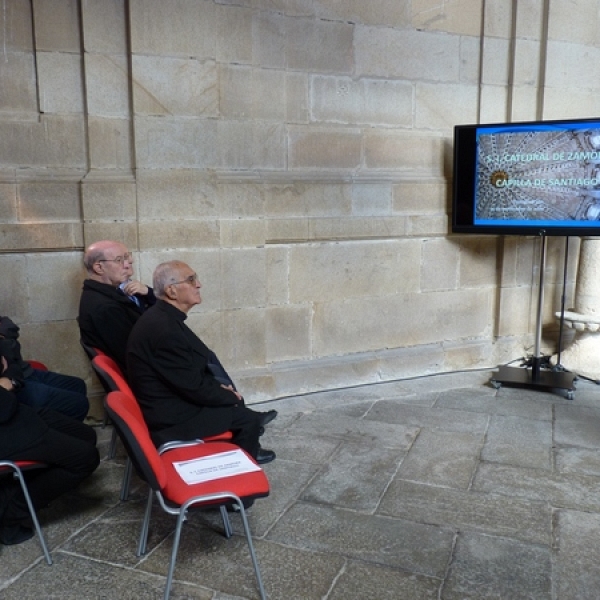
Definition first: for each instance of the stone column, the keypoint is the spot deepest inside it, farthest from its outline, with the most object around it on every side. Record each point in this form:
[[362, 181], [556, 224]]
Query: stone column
[[583, 355]]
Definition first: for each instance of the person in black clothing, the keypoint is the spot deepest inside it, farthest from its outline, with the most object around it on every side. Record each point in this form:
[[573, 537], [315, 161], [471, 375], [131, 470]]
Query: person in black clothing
[[172, 373], [64, 393], [111, 302], [67, 446]]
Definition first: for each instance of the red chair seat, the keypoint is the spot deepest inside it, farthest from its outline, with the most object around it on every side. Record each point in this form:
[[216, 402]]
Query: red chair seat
[[254, 484]]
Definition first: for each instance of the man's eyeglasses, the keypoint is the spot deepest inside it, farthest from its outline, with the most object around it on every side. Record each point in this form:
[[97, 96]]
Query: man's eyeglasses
[[192, 279], [119, 259]]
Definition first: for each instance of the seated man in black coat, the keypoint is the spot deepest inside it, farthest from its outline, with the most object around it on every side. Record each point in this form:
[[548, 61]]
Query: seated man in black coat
[[169, 369], [66, 445], [64, 393], [111, 302]]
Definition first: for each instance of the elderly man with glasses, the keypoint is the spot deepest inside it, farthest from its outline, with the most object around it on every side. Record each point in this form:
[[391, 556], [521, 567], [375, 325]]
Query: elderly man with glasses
[[169, 369], [111, 301]]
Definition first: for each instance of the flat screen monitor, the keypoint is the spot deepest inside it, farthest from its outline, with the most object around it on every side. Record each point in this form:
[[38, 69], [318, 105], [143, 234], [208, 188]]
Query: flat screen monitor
[[528, 178]]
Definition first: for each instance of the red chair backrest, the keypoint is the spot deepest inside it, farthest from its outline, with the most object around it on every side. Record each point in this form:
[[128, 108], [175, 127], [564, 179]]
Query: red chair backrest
[[109, 372], [127, 417]]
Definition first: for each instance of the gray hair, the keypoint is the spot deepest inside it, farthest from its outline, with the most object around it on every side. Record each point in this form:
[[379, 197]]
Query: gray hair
[[164, 275]]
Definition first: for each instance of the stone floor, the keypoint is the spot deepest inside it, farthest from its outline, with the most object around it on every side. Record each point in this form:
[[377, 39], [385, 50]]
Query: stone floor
[[438, 487]]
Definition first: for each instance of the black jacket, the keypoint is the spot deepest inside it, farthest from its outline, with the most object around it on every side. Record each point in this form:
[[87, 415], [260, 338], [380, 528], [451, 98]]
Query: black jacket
[[106, 317], [167, 367]]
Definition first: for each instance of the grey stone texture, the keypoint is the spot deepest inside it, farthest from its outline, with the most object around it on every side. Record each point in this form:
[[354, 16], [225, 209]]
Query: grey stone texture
[[376, 493]]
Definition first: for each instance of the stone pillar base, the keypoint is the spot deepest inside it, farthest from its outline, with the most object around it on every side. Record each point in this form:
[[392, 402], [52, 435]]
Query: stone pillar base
[[582, 356]]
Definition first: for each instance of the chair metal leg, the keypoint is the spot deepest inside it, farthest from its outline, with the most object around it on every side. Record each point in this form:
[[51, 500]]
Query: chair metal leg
[[125, 484], [112, 448], [143, 543], [180, 520], [36, 523], [226, 522], [261, 588]]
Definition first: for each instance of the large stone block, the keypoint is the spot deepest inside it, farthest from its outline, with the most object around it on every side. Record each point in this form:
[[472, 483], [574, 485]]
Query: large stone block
[[234, 40], [470, 60], [123, 231], [174, 86], [40, 236], [54, 283], [569, 65], [110, 143], [277, 275], [249, 93], [109, 200], [329, 272], [370, 199], [176, 194], [558, 106], [454, 17], [460, 105], [496, 68], [61, 89], [420, 197], [406, 319], [178, 234], [107, 85], [297, 109], [282, 231], [370, 101], [105, 27], [375, 12], [426, 225], [8, 202], [269, 39], [169, 142], [251, 145], [293, 8], [244, 278], [439, 265], [288, 333], [319, 46], [478, 262], [16, 27], [412, 152], [516, 311], [310, 199], [175, 28], [18, 92], [240, 233], [576, 22], [49, 201], [57, 25], [410, 55], [13, 270], [355, 228], [324, 149], [241, 199]]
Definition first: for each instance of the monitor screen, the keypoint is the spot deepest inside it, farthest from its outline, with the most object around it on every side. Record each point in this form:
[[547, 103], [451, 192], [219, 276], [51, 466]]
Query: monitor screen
[[540, 177]]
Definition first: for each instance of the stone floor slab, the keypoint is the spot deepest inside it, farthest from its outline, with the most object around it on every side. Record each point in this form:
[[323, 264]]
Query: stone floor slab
[[519, 441], [489, 567], [468, 511], [442, 458]]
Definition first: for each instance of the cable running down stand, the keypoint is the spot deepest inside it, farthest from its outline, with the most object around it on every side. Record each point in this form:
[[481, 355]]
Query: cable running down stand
[[535, 377]]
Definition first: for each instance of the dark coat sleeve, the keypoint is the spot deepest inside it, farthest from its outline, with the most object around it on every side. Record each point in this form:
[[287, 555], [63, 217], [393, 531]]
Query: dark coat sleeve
[[179, 362]]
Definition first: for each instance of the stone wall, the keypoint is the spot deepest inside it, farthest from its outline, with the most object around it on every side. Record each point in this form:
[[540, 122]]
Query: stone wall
[[298, 154]]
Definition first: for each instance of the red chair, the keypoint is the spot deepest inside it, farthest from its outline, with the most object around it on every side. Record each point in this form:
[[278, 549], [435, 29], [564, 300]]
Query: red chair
[[113, 379], [36, 364], [16, 468], [176, 496]]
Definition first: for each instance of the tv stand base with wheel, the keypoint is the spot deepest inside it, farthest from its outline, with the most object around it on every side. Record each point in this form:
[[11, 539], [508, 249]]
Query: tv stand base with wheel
[[535, 378]]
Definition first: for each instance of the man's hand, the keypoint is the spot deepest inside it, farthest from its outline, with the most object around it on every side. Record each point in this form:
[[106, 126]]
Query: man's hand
[[6, 383], [136, 287], [230, 388]]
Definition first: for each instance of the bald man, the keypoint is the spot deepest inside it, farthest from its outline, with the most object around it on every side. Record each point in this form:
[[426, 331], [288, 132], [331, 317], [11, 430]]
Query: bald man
[[111, 302], [169, 369]]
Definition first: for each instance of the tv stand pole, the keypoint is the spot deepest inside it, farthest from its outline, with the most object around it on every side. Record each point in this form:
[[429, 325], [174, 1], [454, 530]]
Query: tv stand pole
[[535, 377]]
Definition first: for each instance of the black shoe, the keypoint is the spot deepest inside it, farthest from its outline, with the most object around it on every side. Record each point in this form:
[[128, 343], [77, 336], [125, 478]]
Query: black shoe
[[15, 534], [266, 417], [264, 456]]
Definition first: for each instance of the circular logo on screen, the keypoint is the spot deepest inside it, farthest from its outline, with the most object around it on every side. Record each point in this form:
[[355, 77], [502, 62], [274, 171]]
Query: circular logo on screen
[[498, 178]]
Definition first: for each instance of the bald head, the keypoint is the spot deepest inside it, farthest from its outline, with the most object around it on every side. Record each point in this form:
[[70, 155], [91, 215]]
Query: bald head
[[108, 261]]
